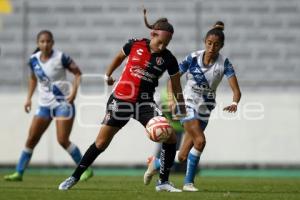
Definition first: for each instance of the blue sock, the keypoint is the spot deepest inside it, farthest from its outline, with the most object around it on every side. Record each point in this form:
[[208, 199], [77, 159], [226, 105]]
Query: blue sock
[[74, 152], [24, 160], [192, 164], [157, 163]]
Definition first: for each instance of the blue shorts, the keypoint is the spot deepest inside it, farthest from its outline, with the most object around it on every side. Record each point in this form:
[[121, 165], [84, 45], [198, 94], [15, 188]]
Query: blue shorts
[[63, 110], [192, 114]]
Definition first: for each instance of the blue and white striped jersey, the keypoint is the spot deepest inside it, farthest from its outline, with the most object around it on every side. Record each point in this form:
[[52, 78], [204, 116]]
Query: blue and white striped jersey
[[202, 81], [53, 86]]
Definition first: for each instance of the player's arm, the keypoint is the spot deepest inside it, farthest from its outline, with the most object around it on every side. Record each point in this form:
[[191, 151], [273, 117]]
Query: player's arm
[[177, 91], [117, 61], [74, 69], [31, 87], [170, 95], [233, 82]]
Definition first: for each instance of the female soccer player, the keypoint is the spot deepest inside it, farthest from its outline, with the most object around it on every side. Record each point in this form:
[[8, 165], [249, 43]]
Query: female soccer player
[[205, 70], [132, 97], [56, 100]]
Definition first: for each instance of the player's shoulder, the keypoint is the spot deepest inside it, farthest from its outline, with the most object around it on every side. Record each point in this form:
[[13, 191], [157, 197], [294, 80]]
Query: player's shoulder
[[222, 59], [196, 54]]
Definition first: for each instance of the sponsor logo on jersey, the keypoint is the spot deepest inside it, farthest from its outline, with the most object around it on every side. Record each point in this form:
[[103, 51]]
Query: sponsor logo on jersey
[[142, 74], [136, 59]]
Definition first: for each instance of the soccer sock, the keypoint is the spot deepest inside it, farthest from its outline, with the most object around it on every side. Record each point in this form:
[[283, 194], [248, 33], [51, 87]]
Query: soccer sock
[[192, 163], [74, 152], [157, 161], [88, 158], [24, 160], [167, 155]]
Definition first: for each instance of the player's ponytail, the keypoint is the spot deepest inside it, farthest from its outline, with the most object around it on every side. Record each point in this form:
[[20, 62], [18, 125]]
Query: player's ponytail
[[217, 30], [161, 24]]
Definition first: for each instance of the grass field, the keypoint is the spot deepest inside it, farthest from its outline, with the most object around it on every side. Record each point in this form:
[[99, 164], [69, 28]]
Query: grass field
[[127, 185]]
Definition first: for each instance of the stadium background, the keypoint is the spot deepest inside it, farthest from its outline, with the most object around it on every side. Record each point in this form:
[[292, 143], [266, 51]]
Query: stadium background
[[262, 41]]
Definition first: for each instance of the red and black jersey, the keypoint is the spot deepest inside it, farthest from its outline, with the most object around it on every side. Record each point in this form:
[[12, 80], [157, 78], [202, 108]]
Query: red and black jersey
[[142, 71]]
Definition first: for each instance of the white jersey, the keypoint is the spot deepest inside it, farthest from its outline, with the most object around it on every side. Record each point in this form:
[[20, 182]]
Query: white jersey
[[202, 81], [51, 75]]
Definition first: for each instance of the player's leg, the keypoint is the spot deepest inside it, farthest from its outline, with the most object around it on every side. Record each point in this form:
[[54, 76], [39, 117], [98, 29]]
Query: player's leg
[[194, 130], [181, 156], [113, 121], [144, 113], [38, 126], [64, 116], [103, 139]]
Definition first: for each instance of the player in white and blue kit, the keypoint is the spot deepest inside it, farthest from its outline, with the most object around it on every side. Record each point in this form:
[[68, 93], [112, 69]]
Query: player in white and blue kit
[[204, 71], [56, 100]]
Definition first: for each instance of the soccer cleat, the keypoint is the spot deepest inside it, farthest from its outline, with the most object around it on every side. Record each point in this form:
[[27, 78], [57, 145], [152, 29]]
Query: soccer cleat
[[68, 183], [151, 171], [189, 187], [14, 177], [87, 174], [166, 186]]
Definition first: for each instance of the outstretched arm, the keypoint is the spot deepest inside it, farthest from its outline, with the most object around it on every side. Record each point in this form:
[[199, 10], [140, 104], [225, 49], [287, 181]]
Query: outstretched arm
[[233, 82], [117, 61]]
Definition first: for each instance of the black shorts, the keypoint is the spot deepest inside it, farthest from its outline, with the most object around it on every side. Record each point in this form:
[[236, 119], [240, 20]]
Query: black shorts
[[119, 112]]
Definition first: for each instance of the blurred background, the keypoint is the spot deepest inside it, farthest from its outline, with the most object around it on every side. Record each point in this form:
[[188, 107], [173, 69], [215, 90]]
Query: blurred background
[[262, 41]]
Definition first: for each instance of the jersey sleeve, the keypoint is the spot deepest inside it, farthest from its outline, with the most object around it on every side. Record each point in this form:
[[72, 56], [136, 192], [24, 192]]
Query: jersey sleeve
[[228, 69], [127, 47], [185, 64], [66, 60], [173, 66]]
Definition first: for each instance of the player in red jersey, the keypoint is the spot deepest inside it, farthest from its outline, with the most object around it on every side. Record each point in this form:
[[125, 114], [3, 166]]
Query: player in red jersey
[[132, 97]]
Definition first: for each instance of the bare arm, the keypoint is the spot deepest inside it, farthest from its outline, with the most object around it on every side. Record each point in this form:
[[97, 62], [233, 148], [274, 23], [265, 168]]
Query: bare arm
[[74, 69], [31, 87], [233, 82], [117, 61], [177, 91]]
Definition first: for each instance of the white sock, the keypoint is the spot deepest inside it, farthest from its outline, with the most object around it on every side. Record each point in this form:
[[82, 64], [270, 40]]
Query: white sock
[[195, 152], [71, 148]]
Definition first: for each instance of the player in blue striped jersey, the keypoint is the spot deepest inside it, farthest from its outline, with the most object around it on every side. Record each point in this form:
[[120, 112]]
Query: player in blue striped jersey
[[56, 100], [204, 71]]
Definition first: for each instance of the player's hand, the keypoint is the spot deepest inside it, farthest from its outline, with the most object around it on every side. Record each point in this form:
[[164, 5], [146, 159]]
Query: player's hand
[[27, 106], [231, 109], [178, 112], [109, 80]]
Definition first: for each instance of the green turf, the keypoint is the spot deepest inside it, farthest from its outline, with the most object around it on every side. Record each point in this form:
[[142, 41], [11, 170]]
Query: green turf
[[42, 186]]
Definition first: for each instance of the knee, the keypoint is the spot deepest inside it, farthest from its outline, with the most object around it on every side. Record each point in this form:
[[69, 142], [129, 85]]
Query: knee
[[64, 142], [200, 143], [101, 145], [172, 139]]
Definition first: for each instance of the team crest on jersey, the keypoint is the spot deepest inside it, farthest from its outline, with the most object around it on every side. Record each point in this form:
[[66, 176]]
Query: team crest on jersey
[[159, 61], [217, 73]]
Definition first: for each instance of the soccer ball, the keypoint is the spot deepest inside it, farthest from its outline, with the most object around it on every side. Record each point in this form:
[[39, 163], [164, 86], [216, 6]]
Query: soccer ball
[[158, 129]]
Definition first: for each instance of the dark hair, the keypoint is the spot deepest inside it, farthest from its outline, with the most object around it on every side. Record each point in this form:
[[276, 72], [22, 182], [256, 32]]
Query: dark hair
[[160, 24], [217, 30], [39, 35]]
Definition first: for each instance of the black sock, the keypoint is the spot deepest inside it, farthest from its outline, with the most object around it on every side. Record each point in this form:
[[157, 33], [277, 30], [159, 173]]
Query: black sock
[[88, 158], [167, 155]]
